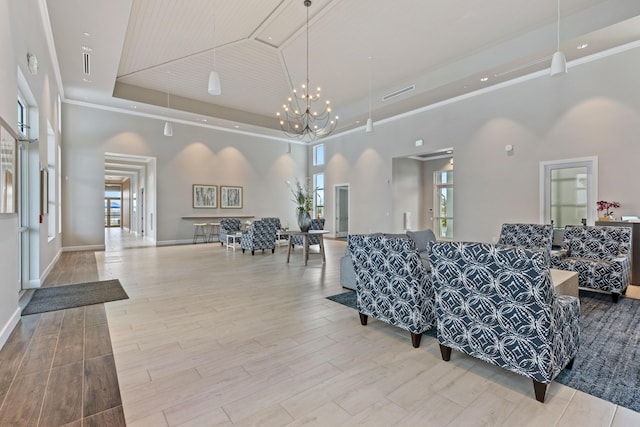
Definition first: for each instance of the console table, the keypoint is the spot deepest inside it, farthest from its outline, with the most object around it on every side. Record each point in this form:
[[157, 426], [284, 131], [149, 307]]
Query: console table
[[305, 246]]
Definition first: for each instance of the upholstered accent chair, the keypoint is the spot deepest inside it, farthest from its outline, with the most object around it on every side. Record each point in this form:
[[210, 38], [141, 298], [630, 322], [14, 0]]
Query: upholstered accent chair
[[261, 235], [600, 255], [316, 224], [228, 226], [497, 303], [392, 284], [528, 236], [278, 225]]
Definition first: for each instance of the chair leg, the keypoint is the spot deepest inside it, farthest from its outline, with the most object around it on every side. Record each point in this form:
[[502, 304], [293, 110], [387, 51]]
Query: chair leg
[[415, 340], [445, 352], [614, 297], [363, 319], [273, 250], [570, 364], [540, 390], [243, 250], [253, 252]]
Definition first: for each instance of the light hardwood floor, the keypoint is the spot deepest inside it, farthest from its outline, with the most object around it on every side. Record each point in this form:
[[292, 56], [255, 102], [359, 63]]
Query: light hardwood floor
[[215, 337]]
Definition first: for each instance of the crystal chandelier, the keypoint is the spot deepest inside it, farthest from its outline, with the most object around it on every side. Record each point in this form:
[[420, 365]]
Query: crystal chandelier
[[298, 120]]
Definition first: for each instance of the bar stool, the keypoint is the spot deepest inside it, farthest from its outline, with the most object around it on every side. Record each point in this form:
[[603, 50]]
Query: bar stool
[[214, 230], [200, 231]]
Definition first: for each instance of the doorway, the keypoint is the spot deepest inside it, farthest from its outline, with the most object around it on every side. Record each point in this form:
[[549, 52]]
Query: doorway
[[342, 210], [568, 190], [112, 205]]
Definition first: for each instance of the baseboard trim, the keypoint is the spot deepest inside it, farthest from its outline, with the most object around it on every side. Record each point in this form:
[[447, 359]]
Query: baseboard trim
[[9, 326], [83, 248], [174, 242], [47, 270]]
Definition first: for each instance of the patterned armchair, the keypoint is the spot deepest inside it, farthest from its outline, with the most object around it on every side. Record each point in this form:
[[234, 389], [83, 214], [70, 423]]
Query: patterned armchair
[[276, 223], [316, 224], [228, 226], [600, 255], [497, 303], [261, 235], [528, 236], [392, 284]]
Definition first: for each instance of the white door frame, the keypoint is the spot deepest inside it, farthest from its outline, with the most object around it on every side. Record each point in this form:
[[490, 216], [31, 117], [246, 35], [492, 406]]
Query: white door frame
[[591, 163], [336, 204]]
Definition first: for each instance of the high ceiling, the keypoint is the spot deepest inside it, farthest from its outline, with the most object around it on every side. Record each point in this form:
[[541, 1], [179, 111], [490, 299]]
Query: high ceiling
[[144, 55]]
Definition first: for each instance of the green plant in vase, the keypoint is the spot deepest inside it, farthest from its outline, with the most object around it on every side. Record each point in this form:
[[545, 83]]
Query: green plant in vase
[[303, 198]]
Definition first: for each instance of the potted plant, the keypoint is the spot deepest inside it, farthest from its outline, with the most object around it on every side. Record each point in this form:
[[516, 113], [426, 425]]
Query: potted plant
[[303, 198], [606, 207]]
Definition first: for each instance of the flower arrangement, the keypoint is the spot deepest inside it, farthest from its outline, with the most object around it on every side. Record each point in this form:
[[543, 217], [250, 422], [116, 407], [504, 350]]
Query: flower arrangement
[[303, 196], [606, 207]]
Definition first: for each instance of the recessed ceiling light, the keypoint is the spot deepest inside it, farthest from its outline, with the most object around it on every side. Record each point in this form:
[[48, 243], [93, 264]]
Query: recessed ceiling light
[[86, 80], [204, 120], [237, 127], [583, 46], [134, 106], [86, 48], [484, 79], [86, 33]]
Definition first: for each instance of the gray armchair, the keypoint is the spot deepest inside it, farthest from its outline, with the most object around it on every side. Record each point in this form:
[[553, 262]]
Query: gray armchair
[[228, 226], [497, 303], [600, 255]]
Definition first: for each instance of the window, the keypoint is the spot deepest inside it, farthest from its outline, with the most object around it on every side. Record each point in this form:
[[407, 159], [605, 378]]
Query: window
[[112, 205], [23, 116], [52, 151], [318, 185], [318, 155], [443, 204]]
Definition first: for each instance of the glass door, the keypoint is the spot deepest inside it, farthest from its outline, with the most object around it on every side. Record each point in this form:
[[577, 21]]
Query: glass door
[[443, 204]]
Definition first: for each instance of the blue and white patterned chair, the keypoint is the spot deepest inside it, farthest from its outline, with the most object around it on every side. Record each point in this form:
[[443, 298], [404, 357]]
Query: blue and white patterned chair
[[275, 221], [228, 226], [497, 303], [600, 255], [392, 284], [261, 235], [316, 224], [527, 236]]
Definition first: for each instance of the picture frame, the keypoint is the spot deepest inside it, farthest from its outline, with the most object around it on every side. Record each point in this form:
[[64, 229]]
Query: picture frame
[[230, 197], [204, 196]]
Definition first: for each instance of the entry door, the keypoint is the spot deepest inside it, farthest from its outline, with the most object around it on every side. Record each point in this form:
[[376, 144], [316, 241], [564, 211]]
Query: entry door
[[569, 192], [342, 210]]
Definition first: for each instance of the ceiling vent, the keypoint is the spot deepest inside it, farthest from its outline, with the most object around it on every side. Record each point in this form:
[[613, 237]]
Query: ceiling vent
[[398, 92]]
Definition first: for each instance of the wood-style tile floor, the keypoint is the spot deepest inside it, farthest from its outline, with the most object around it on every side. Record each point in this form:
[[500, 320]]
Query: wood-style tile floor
[[215, 337]]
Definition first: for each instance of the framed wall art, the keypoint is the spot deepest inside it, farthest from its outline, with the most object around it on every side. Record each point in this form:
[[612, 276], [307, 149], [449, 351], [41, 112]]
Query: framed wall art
[[205, 196], [230, 197]]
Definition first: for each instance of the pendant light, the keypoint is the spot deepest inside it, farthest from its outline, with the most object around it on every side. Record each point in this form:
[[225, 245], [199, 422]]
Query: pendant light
[[369, 127], [168, 129], [558, 61], [214, 78]]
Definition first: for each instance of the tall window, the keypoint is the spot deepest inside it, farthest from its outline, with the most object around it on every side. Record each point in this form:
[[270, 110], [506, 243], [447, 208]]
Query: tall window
[[443, 204], [52, 151], [318, 184], [112, 205], [318, 155], [23, 116]]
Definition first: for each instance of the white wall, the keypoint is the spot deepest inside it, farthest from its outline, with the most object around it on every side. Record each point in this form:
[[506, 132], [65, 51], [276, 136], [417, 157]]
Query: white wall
[[194, 155], [592, 111], [16, 40]]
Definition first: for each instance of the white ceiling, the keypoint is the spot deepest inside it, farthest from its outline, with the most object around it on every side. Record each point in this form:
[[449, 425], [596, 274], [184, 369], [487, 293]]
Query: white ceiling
[[141, 50]]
